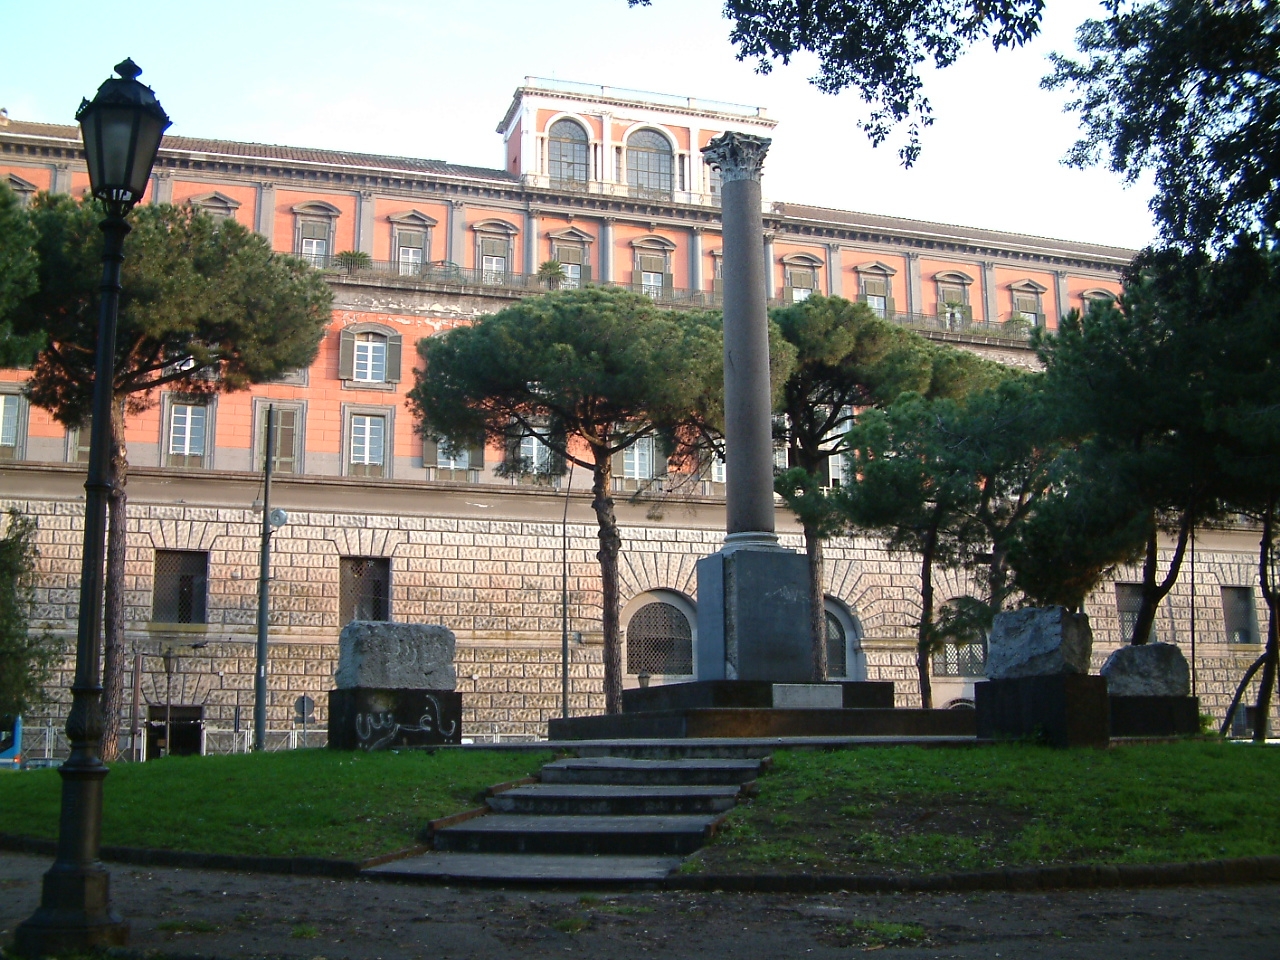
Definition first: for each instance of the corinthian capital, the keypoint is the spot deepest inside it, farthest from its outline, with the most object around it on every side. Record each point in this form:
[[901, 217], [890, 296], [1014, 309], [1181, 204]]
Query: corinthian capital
[[738, 156]]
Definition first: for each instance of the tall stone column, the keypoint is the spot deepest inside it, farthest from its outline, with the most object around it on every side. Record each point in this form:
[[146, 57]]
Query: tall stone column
[[748, 422], [753, 606]]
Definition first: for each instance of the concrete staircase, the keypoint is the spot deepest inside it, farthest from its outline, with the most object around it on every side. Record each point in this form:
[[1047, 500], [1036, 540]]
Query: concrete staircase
[[596, 819]]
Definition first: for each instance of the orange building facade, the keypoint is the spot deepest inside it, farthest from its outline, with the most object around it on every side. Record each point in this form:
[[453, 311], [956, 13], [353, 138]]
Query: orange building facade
[[610, 184]]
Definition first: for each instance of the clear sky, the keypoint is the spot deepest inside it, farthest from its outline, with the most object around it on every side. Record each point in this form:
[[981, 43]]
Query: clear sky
[[432, 78]]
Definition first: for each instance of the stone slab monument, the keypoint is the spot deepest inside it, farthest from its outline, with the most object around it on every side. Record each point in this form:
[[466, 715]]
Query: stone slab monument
[[1149, 686], [395, 687], [1039, 684], [753, 595]]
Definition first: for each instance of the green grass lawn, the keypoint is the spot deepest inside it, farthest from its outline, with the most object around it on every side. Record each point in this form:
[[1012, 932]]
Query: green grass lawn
[[913, 810], [299, 803]]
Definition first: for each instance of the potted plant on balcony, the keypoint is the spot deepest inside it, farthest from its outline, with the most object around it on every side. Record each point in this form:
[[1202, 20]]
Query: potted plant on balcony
[[551, 274], [353, 260]]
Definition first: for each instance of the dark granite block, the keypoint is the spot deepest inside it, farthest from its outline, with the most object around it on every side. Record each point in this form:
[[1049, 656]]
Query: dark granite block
[[757, 722], [1067, 710], [364, 718], [705, 694], [1155, 716]]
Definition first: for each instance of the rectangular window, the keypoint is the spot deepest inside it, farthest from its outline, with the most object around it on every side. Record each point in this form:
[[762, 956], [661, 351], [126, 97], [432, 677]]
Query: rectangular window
[[1239, 616], [638, 459], [411, 246], [1128, 603], [537, 456], [181, 586], [364, 589], [9, 404], [367, 441], [651, 284], [286, 439], [961, 660], [493, 269], [186, 446], [370, 358], [717, 469], [876, 295], [802, 283], [452, 458], [315, 242]]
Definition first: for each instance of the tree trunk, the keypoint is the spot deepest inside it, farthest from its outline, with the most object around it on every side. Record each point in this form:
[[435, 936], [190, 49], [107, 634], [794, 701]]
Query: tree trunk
[[113, 653], [1152, 592], [817, 602], [1262, 714], [924, 640], [610, 544]]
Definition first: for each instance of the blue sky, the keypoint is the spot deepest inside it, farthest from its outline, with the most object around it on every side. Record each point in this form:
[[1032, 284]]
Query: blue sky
[[427, 78]]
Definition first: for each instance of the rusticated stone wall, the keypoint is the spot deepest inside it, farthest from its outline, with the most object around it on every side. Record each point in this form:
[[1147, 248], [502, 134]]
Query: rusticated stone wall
[[496, 582]]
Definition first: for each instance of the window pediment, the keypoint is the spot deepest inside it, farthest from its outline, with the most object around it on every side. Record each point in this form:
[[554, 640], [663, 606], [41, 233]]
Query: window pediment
[[1027, 286], [571, 235], [804, 260], [1098, 293], [215, 202], [18, 185], [653, 242], [495, 226], [875, 267], [412, 218], [316, 208], [953, 276]]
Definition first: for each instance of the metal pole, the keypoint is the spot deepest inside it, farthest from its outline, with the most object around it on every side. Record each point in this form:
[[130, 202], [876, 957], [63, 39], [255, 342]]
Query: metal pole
[[137, 706], [1193, 612], [75, 911], [168, 702], [564, 601], [264, 590]]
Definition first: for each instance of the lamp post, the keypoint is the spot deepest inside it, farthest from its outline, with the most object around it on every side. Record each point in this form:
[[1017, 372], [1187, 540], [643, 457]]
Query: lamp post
[[121, 129]]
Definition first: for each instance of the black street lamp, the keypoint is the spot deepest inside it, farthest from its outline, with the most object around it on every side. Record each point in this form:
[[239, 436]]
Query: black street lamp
[[121, 128]]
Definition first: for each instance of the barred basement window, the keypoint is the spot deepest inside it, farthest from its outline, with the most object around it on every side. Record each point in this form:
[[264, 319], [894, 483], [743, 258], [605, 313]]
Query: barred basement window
[[364, 589], [181, 586], [1128, 604], [660, 641], [1239, 615], [961, 659]]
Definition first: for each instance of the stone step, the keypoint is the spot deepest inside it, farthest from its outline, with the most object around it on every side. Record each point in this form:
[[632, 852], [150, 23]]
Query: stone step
[[674, 835], [625, 770], [613, 799], [439, 867]]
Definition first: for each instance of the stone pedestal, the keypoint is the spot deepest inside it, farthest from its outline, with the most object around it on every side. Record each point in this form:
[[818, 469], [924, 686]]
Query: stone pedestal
[[749, 694], [753, 617], [361, 718], [1155, 716], [1065, 709]]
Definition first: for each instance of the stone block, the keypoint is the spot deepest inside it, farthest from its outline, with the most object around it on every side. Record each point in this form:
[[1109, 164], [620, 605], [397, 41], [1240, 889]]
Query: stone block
[[1065, 709], [361, 718], [382, 655], [807, 696], [1147, 670], [1155, 716], [1038, 642]]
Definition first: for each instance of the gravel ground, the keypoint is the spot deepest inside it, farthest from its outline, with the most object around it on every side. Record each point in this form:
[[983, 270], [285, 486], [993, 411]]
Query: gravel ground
[[216, 914]]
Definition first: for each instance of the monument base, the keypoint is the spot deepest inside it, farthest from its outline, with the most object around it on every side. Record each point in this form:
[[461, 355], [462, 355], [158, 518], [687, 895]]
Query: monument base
[[1155, 716], [1066, 709], [755, 722], [368, 718], [753, 616], [705, 694]]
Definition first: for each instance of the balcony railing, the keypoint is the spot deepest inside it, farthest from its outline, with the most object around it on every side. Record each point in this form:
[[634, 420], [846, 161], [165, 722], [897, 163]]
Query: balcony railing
[[512, 283]]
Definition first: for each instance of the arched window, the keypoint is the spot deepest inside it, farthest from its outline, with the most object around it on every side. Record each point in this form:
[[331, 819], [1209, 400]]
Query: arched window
[[845, 660], [649, 164], [660, 640], [567, 152], [836, 665]]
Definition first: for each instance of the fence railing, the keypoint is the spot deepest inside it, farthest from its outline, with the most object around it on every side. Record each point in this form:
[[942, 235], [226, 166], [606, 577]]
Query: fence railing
[[514, 283]]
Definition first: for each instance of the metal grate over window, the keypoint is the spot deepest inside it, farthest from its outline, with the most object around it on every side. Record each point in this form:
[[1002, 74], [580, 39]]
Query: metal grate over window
[[364, 589], [1128, 606], [961, 660], [181, 586], [836, 664], [660, 641], [1238, 614]]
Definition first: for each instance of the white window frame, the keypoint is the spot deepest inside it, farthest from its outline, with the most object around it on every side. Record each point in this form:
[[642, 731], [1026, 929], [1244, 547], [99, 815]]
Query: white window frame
[[368, 443], [651, 284], [639, 459], [10, 424], [179, 431], [369, 362], [449, 458], [537, 454], [410, 261]]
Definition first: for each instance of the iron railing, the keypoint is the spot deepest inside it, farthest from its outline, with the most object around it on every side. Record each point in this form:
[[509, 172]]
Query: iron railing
[[514, 283]]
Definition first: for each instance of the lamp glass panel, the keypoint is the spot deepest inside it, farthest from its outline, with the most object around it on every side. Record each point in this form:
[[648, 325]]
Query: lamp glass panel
[[115, 128], [150, 130]]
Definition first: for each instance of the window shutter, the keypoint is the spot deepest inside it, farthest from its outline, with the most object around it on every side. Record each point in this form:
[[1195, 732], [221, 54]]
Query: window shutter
[[890, 309], [824, 472], [477, 455], [717, 285], [394, 343], [967, 312], [568, 254], [315, 230], [490, 247], [875, 288], [862, 298], [346, 355], [412, 238], [668, 281], [511, 453], [653, 264], [586, 273], [803, 277], [617, 461], [788, 294], [430, 451]]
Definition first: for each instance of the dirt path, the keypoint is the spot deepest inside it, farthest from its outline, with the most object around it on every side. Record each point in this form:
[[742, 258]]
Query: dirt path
[[213, 914]]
